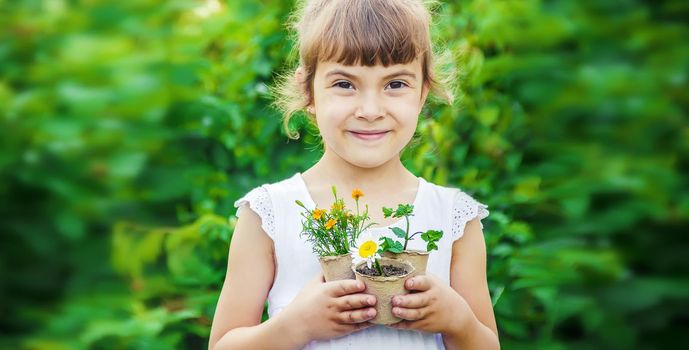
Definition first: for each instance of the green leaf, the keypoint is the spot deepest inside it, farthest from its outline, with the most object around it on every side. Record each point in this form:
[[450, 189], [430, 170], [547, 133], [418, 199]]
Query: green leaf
[[432, 235], [404, 210], [431, 246], [398, 232], [390, 245], [396, 248]]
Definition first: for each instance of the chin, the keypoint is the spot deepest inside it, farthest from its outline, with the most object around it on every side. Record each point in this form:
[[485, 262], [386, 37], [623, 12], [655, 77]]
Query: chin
[[367, 158]]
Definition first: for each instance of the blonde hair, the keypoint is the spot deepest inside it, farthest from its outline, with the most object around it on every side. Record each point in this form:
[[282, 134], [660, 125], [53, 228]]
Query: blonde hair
[[359, 32]]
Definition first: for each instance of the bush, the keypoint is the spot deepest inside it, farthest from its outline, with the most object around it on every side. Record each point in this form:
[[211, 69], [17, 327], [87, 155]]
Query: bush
[[129, 128]]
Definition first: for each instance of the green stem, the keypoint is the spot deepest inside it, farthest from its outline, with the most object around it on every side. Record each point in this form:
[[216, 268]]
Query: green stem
[[377, 265], [406, 234], [412, 236], [344, 238], [358, 228], [330, 238]]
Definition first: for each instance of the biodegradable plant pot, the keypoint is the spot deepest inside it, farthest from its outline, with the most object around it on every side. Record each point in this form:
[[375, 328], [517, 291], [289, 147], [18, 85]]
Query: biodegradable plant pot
[[337, 267], [384, 288], [417, 258]]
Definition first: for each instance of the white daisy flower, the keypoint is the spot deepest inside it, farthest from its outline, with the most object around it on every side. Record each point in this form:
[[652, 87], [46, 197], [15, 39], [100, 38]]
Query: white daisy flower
[[366, 249]]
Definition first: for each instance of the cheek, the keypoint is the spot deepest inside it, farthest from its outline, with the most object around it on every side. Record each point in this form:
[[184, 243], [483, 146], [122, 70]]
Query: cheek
[[406, 115], [329, 126], [405, 104], [334, 115]]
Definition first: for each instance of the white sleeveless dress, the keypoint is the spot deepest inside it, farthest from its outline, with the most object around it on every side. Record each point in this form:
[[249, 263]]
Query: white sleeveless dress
[[435, 207]]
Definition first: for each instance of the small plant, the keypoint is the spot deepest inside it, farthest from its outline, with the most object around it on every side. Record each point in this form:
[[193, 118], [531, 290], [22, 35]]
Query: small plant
[[366, 249], [335, 231], [393, 246], [384, 275]]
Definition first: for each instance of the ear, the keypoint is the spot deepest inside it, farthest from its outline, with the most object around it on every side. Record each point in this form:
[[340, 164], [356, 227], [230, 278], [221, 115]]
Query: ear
[[300, 78]]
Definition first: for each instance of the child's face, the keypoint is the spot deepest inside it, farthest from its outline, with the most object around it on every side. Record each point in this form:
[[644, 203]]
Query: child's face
[[367, 115]]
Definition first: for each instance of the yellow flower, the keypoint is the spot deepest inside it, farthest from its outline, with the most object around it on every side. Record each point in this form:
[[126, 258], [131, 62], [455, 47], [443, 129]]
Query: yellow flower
[[356, 194], [330, 224], [318, 213], [368, 249], [337, 206]]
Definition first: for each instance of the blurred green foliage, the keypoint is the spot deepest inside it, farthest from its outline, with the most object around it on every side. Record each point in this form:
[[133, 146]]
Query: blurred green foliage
[[128, 128]]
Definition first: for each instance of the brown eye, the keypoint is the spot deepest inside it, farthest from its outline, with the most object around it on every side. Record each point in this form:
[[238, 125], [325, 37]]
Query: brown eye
[[397, 84], [343, 84]]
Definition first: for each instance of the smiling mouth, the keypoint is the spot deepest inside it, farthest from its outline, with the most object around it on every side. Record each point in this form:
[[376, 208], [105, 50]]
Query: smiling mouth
[[369, 136]]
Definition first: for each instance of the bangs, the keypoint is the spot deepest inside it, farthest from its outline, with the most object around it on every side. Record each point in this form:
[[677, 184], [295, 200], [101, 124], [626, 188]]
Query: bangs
[[360, 32], [367, 32]]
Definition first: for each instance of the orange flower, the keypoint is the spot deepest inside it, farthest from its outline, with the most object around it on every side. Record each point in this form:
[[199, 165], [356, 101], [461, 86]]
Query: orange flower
[[318, 213], [330, 224], [356, 194]]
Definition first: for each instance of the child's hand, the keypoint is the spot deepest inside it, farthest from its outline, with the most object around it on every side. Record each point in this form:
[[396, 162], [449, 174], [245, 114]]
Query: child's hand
[[434, 308], [328, 310]]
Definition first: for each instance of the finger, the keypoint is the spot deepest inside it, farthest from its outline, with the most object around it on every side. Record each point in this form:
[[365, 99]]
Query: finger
[[357, 316], [412, 301], [418, 283], [410, 314], [344, 287], [355, 301]]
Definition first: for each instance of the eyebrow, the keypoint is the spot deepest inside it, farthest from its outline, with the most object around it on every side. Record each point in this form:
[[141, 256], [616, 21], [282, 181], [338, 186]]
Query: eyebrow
[[391, 75]]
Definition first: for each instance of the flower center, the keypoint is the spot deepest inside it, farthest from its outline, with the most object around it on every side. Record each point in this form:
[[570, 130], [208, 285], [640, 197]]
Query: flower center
[[368, 249]]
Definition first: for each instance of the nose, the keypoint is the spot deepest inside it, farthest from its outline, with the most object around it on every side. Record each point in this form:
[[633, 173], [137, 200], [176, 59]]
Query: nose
[[371, 107]]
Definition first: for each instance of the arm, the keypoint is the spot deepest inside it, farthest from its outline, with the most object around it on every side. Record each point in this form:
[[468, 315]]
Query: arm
[[320, 310], [478, 330], [462, 311], [250, 272]]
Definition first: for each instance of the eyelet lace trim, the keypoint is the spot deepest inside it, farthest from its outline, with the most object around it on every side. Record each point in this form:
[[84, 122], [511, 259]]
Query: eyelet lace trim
[[259, 201], [466, 209]]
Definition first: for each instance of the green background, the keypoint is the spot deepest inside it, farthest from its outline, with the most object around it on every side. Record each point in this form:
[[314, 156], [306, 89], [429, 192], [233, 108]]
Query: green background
[[128, 129]]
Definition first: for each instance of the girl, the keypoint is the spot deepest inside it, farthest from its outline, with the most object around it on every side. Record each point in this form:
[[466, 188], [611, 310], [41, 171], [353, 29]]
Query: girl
[[366, 68]]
